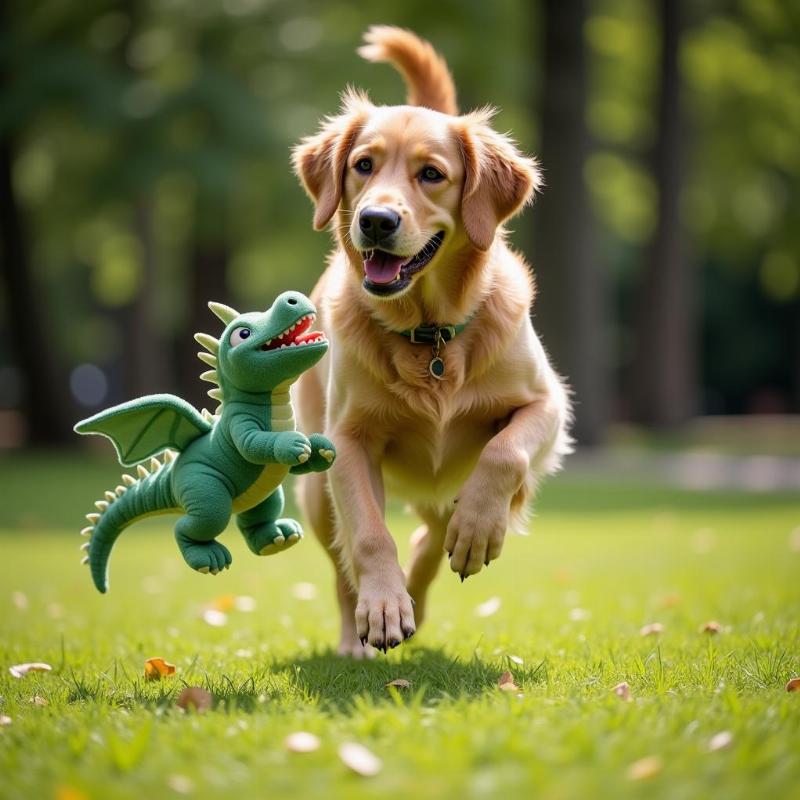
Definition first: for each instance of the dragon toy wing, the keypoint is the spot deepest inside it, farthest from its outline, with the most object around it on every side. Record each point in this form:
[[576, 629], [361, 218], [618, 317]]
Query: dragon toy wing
[[144, 427]]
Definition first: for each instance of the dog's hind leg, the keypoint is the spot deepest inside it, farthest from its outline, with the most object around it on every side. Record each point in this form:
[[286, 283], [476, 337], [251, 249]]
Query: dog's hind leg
[[427, 549]]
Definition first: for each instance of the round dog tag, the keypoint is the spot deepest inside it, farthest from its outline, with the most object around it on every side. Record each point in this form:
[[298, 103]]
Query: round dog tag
[[436, 368]]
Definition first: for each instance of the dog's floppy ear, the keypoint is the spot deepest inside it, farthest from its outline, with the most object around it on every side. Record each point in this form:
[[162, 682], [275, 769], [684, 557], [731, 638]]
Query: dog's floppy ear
[[320, 160], [499, 180]]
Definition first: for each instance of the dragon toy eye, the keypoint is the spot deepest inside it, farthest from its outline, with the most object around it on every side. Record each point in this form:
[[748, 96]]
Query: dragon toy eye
[[239, 335]]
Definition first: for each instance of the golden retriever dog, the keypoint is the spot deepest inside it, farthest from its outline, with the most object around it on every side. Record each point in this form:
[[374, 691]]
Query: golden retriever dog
[[436, 389]]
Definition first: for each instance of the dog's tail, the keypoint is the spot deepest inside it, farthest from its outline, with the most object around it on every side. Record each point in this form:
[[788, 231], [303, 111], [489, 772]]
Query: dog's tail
[[425, 72]]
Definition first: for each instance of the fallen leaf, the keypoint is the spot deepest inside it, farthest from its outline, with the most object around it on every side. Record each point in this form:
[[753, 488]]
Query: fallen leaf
[[359, 759], [4, 720], [304, 591], [506, 682], [225, 602], [156, 668], [18, 670], [720, 740], [579, 614], [400, 683], [215, 617], [711, 627], [670, 600], [623, 691], [793, 685], [653, 629], [69, 793], [301, 742], [181, 784], [38, 700], [245, 603], [491, 606], [645, 768], [193, 698]]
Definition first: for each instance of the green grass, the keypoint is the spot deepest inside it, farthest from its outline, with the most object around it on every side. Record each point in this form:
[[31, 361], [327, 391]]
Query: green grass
[[602, 561]]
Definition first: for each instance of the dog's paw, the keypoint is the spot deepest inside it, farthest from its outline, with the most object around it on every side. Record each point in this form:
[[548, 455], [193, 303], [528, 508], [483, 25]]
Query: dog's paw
[[384, 612], [475, 536]]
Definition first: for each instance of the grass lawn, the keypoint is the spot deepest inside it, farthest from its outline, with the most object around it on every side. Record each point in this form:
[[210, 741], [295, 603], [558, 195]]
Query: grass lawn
[[562, 610]]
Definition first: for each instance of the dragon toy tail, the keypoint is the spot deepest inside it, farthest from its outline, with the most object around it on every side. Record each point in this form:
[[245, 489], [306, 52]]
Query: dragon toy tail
[[146, 495]]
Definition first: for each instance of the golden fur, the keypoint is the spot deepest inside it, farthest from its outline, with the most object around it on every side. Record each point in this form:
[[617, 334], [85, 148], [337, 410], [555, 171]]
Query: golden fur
[[465, 452]]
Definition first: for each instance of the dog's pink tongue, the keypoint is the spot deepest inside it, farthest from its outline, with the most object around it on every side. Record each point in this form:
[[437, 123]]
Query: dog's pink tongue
[[383, 267]]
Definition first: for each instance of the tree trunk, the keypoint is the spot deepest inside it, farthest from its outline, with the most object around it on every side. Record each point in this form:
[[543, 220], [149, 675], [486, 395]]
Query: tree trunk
[[33, 341], [571, 306], [145, 357], [208, 263], [146, 360], [664, 388]]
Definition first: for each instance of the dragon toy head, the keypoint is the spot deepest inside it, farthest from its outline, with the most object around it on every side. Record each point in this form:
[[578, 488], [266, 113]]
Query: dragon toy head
[[259, 351]]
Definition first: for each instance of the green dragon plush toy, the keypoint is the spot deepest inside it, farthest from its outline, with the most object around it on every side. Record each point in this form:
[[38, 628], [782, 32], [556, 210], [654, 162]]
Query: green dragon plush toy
[[233, 461]]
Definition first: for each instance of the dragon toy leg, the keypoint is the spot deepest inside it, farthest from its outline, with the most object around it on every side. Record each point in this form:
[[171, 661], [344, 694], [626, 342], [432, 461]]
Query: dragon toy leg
[[262, 529], [207, 504]]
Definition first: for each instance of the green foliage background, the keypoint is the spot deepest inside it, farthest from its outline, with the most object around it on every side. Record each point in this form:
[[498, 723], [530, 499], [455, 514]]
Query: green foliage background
[[188, 109]]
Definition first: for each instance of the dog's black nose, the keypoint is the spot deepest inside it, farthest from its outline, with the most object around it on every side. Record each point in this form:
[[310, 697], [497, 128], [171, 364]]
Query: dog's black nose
[[378, 222]]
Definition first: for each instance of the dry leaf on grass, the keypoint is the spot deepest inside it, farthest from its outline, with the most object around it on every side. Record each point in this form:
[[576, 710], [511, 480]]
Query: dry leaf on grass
[[5, 720], [653, 629], [156, 668], [359, 759], [18, 670], [215, 617], [245, 603], [38, 700], [301, 742], [193, 698], [720, 740], [225, 602], [490, 607], [623, 691], [793, 685], [506, 683], [182, 784], [400, 683], [645, 768], [304, 591], [69, 793], [670, 600], [711, 627]]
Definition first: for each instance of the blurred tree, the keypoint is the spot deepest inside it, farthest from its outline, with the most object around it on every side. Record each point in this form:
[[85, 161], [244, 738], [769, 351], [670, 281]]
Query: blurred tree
[[145, 372], [571, 312], [663, 380], [29, 325]]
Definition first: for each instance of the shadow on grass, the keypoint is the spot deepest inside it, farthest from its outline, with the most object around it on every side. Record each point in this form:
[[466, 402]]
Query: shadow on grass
[[320, 679], [335, 681]]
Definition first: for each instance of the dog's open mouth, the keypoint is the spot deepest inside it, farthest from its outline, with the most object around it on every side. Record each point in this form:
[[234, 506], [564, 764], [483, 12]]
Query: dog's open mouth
[[296, 335], [388, 273]]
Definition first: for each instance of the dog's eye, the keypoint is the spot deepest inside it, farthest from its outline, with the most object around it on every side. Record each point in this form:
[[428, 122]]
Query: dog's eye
[[239, 335], [363, 166], [431, 175]]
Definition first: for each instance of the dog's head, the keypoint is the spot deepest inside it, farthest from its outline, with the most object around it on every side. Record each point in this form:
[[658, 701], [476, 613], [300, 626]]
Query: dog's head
[[408, 184]]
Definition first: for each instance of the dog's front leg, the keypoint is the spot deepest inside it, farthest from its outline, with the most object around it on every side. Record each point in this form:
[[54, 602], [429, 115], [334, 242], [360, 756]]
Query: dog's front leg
[[479, 523], [384, 614]]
